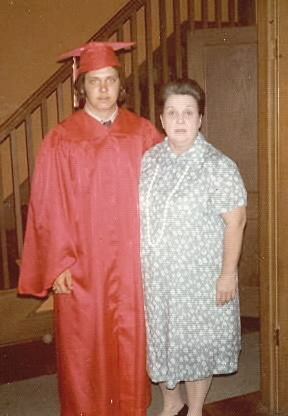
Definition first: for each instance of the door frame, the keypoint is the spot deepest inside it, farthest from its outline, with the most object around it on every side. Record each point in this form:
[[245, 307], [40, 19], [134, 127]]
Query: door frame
[[272, 23]]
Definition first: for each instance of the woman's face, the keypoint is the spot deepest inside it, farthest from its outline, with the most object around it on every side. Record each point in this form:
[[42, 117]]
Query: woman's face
[[181, 121]]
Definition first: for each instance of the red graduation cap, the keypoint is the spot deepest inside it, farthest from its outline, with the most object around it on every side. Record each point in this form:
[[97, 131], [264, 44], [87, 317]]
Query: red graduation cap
[[97, 55]]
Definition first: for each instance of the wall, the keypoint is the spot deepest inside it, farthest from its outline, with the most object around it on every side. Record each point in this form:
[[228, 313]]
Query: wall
[[34, 33]]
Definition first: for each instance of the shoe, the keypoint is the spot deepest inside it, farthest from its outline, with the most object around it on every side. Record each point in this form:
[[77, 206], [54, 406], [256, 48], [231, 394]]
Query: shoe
[[183, 411]]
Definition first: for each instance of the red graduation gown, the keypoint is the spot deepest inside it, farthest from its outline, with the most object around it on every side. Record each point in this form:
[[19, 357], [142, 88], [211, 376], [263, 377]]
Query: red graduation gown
[[83, 215]]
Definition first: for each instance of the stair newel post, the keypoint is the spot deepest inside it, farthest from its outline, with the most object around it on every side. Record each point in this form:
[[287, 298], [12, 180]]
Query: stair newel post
[[191, 14], [120, 38], [231, 12], [204, 12], [177, 34], [149, 60], [135, 69], [60, 102], [218, 13], [163, 40], [44, 116], [16, 192], [3, 238], [29, 147]]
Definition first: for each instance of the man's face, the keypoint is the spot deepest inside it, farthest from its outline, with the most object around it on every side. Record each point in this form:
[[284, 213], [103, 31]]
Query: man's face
[[102, 90]]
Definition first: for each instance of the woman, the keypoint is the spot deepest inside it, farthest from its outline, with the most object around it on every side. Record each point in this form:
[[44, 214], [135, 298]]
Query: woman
[[193, 215], [82, 240]]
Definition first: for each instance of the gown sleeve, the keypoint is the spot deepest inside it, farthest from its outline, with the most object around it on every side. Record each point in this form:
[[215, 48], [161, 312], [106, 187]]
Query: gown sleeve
[[151, 135], [49, 248]]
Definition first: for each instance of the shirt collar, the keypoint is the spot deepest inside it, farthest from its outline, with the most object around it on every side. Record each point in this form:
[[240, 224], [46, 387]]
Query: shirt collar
[[101, 120]]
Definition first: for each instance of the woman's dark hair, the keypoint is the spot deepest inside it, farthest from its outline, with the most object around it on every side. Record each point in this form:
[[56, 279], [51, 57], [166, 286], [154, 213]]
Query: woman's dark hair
[[79, 87], [184, 86]]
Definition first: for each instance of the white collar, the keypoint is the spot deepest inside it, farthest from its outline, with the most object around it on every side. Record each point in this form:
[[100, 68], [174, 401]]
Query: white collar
[[101, 120]]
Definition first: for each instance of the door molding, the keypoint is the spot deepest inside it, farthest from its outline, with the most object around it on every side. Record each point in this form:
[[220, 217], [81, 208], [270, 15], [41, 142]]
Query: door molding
[[272, 17]]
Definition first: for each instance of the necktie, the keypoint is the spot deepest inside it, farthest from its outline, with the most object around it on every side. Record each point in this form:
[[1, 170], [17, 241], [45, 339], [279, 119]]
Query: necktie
[[107, 123]]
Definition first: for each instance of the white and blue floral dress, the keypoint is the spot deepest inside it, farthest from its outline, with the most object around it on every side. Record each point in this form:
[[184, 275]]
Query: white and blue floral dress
[[182, 198]]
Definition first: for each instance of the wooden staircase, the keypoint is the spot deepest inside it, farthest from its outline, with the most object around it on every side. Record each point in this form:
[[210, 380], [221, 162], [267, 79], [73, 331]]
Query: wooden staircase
[[160, 29]]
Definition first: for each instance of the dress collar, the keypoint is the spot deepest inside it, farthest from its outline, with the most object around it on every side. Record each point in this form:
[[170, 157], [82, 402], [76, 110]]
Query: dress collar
[[194, 151]]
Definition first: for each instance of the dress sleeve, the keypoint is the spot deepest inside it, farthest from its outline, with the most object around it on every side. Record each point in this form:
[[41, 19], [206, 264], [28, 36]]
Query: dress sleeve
[[49, 248], [228, 190]]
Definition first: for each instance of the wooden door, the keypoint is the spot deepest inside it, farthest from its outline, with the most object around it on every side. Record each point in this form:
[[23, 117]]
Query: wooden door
[[224, 62]]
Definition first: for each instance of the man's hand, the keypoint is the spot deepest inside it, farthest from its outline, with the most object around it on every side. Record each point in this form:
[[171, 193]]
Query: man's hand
[[63, 283]]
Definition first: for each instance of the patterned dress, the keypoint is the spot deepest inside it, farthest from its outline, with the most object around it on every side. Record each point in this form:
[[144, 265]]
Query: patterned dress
[[182, 198]]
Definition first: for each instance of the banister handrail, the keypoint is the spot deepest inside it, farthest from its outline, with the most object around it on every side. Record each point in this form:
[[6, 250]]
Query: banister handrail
[[121, 16], [34, 101]]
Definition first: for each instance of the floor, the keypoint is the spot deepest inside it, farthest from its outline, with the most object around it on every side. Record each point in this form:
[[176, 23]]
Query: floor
[[247, 405], [28, 383]]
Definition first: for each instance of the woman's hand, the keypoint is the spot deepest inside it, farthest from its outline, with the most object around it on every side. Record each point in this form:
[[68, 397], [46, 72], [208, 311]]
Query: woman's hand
[[226, 289], [63, 283]]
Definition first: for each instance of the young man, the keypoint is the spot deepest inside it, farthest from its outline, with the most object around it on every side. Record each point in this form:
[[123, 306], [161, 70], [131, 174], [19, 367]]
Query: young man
[[82, 240]]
